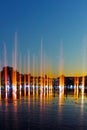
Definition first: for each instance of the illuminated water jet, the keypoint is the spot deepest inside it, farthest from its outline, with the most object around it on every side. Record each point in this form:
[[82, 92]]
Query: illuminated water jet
[[37, 84], [33, 73], [0, 82], [61, 78], [61, 84], [14, 74], [28, 74], [5, 73], [84, 65], [41, 83], [24, 77], [76, 86], [20, 78], [83, 84]]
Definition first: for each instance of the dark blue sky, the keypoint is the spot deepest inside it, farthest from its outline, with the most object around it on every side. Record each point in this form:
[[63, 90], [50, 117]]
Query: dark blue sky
[[54, 21]]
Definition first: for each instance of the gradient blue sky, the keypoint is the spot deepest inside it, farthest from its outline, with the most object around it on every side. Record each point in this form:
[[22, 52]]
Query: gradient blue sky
[[56, 21]]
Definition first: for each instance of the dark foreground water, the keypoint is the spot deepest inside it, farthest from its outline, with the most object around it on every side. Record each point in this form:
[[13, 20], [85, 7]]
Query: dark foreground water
[[49, 112]]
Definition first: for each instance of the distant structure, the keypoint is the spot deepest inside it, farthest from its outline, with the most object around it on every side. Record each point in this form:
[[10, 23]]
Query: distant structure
[[6, 75]]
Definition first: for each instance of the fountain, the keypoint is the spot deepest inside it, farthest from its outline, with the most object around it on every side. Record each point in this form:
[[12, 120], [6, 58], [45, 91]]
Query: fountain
[[14, 63], [41, 82], [61, 78], [20, 77], [5, 73], [76, 86], [28, 74]]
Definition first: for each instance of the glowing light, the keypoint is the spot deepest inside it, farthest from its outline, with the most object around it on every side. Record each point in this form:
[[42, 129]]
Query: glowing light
[[61, 101], [76, 85], [14, 64], [61, 84], [0, 80], [41, 83], [83, 83], [5, 71], [61, 78], [20, 77], [44, 74], [71, 86], [28, 74], [14, 92]]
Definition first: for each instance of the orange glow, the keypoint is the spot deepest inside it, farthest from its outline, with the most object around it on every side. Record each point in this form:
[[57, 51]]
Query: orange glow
[[14, 82], [0, 83], [44, 83], [5, 72], [14, 96], [28, 100], [61, 81], [25, 78], [33, 85], [28, 83], [41, 101], [24, 84], [50, 76], [41, 82], [61, 101], [33, 70], [61, 84], [61, 78], [28, 74], [14, 64], [20, 77], [82, 104], [20, 84], [76, 85], [20, 80], [47, 84], [50, 84], [33, 80], [83, 84], [0, 96], [36, 72], [76, 81], [36, 85]]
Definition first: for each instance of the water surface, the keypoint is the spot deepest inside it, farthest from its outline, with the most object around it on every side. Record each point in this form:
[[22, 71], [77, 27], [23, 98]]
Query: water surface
[[50, 111]]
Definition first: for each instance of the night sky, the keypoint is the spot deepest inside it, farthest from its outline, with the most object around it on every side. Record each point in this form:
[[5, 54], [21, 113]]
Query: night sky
[[57, 24]]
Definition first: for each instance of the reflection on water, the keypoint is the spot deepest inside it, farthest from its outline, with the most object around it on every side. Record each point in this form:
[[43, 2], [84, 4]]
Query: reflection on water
[[44, 111]]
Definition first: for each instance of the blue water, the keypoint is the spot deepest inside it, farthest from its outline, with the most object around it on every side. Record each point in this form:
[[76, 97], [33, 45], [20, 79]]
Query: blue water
[[49, 112]]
